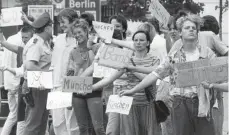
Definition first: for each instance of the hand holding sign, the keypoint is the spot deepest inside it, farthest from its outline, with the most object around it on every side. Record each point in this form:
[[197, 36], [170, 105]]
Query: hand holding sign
[[104, 30], [119, 104], [76, 84]]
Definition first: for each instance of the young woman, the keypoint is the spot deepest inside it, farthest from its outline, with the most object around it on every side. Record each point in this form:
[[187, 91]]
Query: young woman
[[186, 102], [87, 107], [141, 119]]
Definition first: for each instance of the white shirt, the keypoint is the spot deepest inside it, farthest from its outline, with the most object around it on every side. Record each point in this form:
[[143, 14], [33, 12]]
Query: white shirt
[[158, 47], [60, 57], [11, 82]]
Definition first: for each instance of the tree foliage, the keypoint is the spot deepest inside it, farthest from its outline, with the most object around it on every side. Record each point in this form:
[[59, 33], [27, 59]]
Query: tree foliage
[[137, 9]]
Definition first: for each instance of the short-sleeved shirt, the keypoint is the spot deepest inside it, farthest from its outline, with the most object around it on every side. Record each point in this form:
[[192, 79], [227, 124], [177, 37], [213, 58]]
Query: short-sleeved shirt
[[39, 51]]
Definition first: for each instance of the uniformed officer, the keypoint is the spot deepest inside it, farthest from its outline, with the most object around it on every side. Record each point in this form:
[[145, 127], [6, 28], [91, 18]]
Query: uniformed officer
[[37, 57]]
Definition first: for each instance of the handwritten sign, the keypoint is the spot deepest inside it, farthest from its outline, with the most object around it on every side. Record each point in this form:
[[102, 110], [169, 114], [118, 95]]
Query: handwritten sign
[[37, 79], [59, 99], [11, 17], [201, 63], [119, 104], [101, 71], [159, 12], [114, 57], [77, 84], [105, 30], [37, 10], [193, 73]]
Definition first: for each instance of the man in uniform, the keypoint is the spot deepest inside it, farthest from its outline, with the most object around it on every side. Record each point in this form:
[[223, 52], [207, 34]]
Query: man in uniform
[[37, 57]]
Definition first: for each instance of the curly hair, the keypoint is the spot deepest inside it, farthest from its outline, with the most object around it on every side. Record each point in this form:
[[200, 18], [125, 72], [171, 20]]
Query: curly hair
[[193, 18], [210, 24], [80, 24]]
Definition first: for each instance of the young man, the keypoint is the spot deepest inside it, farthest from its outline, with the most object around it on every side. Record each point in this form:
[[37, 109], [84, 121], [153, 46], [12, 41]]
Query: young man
[[64, 120], [11, 82]]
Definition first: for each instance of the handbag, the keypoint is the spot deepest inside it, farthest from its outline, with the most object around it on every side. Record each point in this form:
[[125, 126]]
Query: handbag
[[161, 110]]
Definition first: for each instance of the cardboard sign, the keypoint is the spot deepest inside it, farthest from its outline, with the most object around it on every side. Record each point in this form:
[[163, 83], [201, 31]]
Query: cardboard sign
[[119, 104], [11, 17], [193, 73], [114, 57], [78, 84], [159, 12], [101, 71], [201, 63], [37, 10], [59, 99], [37, 79], [81, 6], [104, 30]]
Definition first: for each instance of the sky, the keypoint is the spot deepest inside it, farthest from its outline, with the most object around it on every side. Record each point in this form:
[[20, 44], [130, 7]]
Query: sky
[[209, 9]]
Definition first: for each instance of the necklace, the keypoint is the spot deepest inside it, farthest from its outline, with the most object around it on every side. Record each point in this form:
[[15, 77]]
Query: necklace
[[81, 55]]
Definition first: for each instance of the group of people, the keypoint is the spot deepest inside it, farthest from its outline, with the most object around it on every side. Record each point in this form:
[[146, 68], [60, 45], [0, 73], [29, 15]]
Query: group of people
[[147, 76]]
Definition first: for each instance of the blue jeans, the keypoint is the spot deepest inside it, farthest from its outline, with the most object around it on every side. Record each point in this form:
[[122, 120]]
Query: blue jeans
[[87, 110], [185, 120]]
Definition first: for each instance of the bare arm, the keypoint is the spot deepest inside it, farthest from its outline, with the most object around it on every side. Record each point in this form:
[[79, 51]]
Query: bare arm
[[107, 81], [11, 47], [123, 43], [223, 87], [147, 81]]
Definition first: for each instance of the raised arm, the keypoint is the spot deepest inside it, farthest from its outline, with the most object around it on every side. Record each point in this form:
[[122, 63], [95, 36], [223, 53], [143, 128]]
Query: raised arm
[[10, 47], [122, 43]]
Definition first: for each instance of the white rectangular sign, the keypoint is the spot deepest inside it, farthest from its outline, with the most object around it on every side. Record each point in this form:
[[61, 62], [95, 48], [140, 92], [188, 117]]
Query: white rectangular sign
[[11, 17], [119, 104], [159, 12], [37, 10], [59, 99], [105, 30], [38, 79]]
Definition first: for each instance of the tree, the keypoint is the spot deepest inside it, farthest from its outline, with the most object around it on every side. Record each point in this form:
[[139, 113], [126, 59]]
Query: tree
[[222, 9], [25, 3], [137, 9]]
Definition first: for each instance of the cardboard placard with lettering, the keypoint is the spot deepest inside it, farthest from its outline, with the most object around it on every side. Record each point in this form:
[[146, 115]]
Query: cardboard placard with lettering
[[37, 79], [159, 12], [105, 30], [193, 73], [119, 104], [101, 71], [11, 17], [78, 84], [58, 99], [114, 57]]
